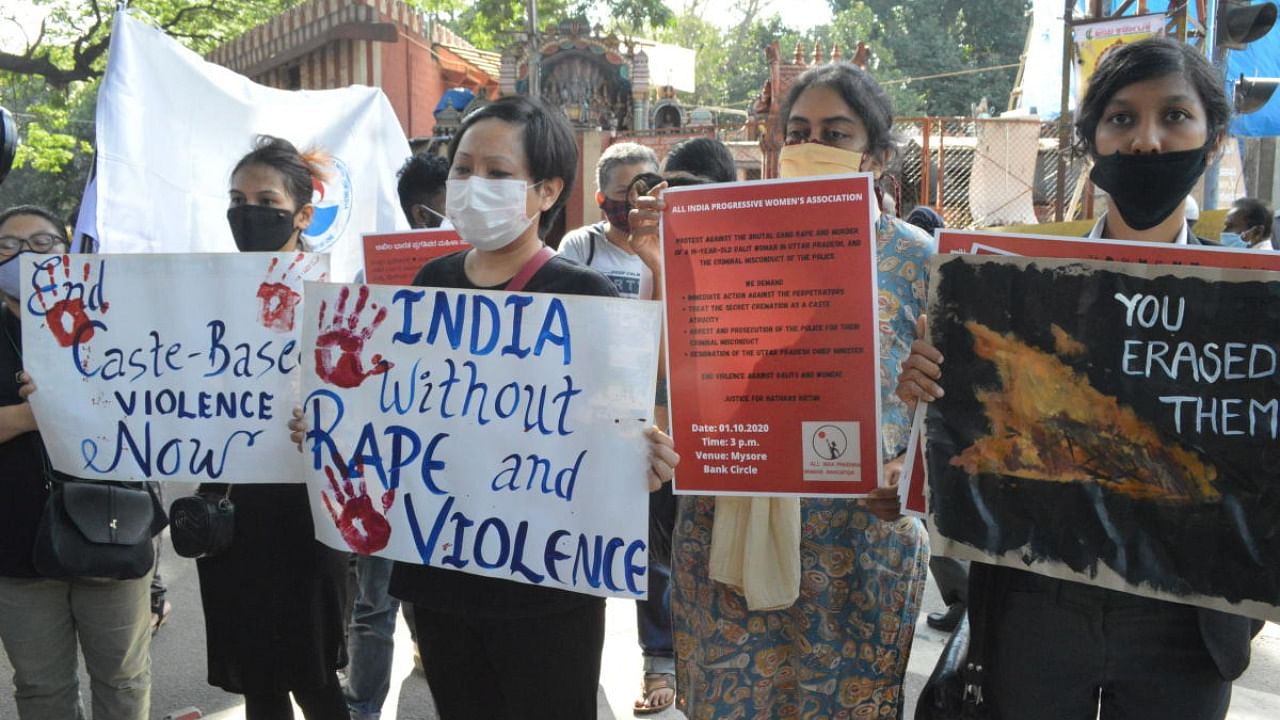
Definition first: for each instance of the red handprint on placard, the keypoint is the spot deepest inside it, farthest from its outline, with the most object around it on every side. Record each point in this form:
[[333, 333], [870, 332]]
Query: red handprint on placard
[[66, 305], [338, 349], [363, 527], [278, 300]]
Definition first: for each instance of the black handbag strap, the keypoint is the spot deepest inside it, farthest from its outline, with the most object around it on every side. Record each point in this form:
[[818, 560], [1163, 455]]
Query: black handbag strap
[[51, 478], [46, 466], [986, 603]]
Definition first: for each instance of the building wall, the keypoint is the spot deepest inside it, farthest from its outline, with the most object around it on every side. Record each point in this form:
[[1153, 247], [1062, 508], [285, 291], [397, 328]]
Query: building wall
[[405, 70], [412, 81]]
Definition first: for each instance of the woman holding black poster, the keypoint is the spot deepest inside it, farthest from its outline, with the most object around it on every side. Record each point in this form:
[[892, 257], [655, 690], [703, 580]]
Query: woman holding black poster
[[1154, 113]]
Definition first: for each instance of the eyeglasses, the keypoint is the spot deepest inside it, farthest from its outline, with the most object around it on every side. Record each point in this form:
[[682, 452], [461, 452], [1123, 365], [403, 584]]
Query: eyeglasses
[[40, 242]]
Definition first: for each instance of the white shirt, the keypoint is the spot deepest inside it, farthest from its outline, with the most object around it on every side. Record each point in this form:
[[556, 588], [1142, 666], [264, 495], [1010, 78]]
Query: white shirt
[[1098, 227], [627, 271]]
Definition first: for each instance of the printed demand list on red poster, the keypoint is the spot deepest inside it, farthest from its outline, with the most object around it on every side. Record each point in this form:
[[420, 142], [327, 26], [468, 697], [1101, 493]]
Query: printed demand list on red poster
[[772, 336]]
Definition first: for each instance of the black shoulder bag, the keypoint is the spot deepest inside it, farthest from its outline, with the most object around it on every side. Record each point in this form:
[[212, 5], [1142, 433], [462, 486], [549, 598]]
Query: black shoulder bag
[[202, 525], [97, 529], [94, 529]]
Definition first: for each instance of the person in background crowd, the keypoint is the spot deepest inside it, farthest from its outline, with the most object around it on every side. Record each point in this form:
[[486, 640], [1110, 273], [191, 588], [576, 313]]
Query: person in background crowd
[[371, 635], [705, 157], [161, 608], [422, 189], [45, 621], [1155, 111], [926, 218], [1248, 224], [274, 600], [839, 648], [951, 575], [607, 247], [495, 648]]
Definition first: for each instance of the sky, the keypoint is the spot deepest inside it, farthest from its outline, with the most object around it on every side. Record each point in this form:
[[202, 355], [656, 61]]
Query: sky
[[798, 14], [27, 15]]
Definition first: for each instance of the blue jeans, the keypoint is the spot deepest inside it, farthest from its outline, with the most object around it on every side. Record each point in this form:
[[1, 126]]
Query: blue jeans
[[653, 622], [370, 641]]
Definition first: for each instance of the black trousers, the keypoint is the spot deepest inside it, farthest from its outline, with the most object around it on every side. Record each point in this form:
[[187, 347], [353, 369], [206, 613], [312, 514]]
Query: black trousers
[[952, 577], [1064, 651], [326, 703], [528, 668]]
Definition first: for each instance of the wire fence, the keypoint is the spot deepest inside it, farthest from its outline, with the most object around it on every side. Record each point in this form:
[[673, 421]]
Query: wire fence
[[983, 172]]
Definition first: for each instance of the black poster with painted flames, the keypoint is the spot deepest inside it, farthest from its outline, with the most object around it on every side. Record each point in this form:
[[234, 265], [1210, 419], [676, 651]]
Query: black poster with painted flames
[[1109, 423]]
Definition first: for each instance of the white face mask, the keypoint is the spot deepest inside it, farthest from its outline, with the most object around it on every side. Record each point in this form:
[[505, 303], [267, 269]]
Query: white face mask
[[487, 213]]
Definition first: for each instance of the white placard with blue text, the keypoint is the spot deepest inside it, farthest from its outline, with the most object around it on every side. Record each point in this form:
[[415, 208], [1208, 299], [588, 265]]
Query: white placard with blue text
[[500, 434], [167, 367]]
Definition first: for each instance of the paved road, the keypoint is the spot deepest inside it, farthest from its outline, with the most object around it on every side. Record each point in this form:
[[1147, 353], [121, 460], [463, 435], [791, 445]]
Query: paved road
[[179, 667]]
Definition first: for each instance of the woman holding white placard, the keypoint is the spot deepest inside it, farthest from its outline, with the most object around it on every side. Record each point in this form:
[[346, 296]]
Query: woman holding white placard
[[274, 601]]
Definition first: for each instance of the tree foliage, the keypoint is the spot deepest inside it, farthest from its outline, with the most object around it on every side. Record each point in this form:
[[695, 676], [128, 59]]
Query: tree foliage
[[496, 24], [933, 37], [51, 82]]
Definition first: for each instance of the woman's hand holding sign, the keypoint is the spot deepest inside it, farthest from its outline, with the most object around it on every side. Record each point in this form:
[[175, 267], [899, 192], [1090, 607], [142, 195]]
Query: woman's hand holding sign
[[921, 371], [884, 501], [298, 427], [663, 458], [644, 219], [18, 419]]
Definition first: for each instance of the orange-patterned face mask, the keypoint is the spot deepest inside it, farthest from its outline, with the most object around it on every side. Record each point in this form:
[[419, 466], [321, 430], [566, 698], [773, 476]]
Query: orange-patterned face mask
[[813, 159]]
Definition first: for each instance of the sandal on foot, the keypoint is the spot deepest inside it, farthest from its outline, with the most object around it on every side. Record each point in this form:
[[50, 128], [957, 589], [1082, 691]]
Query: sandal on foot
[[160, 616], [654, 683]]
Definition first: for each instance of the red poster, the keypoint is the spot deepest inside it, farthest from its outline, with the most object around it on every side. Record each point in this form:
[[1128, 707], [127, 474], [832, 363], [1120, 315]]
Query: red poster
[[773, 345], [911, 483], [394, 258], [990, 243]]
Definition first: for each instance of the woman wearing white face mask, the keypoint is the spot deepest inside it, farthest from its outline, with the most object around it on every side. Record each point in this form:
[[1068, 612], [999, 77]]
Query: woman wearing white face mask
[[493, 648]]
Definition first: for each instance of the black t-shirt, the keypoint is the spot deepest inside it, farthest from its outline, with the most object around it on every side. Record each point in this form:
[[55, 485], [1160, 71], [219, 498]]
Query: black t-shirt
[[22, 481], [461, 593]]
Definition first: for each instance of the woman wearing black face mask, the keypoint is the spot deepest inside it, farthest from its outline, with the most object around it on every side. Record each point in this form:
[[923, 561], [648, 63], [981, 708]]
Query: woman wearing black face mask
[[1154, 113], [274, 601]]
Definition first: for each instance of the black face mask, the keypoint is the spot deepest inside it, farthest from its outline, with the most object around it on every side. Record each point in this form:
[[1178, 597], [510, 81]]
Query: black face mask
[[258, 228], [1146, 189]]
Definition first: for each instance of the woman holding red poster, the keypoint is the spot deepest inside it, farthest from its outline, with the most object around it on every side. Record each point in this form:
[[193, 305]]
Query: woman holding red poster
[[839, 646]]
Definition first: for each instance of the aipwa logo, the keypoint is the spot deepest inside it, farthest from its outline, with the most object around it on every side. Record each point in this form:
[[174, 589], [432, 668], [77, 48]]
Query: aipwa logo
[[829, 442], [332, 201]]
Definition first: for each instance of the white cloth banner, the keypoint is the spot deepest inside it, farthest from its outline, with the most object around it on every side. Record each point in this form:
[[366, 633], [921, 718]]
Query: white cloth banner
[[166, 367], [493, 433], [170, 127], [1002, 180]]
